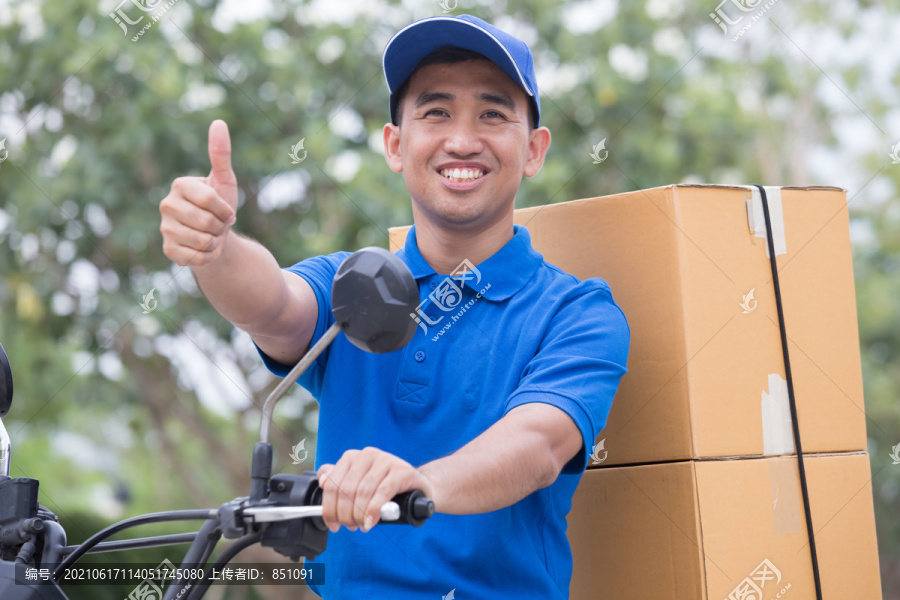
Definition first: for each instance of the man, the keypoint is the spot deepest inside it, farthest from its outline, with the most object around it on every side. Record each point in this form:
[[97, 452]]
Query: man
[[492, 409]]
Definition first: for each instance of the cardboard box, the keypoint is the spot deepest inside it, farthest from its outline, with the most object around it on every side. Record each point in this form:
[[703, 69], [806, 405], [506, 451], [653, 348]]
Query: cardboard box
[[700, 530], [706, 361]]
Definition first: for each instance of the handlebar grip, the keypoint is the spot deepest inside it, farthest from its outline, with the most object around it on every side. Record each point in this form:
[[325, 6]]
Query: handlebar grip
[[415, 508]]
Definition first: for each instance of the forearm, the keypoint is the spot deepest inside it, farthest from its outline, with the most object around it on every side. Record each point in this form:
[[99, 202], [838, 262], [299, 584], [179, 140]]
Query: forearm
[[245, 285], [497, 469]]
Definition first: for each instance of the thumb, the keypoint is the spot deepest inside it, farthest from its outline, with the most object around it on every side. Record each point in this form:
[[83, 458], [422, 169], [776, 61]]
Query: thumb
[[221, 176]]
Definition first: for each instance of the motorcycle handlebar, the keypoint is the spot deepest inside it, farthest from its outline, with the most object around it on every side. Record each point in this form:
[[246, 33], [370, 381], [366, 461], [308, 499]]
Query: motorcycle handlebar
[[409, 508]]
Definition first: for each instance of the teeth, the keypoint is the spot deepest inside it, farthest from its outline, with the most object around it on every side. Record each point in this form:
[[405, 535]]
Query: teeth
[[457, 175]]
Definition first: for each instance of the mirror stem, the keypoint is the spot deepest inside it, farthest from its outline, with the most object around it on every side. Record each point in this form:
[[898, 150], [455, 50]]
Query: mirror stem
[[291, 378], [260, 471]]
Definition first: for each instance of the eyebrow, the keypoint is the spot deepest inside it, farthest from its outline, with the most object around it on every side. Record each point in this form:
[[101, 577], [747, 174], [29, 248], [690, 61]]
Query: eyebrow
[[429, 97], [501, 99]]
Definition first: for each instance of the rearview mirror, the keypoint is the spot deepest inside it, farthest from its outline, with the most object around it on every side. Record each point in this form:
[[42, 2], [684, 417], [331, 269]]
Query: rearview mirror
[[6, 384], [372, 297], [6, 394]]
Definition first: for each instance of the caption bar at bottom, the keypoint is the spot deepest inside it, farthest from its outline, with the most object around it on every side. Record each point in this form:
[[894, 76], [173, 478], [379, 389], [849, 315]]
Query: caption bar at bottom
[[164, 573]]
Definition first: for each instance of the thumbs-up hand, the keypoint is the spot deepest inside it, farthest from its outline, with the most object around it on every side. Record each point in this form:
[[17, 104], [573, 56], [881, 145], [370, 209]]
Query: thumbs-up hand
[[198, 212]]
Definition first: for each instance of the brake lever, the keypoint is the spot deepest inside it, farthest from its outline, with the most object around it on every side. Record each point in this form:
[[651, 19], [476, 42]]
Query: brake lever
[[390, 511], [411, 508]]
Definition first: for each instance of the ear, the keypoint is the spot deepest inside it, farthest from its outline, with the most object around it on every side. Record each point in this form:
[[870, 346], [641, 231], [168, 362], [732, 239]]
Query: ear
[[538, 145], [392, 147]]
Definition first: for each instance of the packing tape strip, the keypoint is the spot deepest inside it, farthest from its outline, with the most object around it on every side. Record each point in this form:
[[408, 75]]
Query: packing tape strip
[[787, 516], [757, 221], [778, 433]]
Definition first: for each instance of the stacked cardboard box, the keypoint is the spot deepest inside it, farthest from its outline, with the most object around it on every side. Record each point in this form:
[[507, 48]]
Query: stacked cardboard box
[[696, 491], [724, 530]]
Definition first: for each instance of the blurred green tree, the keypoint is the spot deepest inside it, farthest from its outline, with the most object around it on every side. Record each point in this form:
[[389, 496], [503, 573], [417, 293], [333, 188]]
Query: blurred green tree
[[122, 409]]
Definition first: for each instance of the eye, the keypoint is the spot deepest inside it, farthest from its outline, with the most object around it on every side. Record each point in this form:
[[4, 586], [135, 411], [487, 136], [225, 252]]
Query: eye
[[436, 111], [493, 114]]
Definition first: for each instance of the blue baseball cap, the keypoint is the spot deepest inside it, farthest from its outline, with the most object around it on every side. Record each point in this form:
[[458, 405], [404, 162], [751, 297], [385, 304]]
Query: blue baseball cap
[[415, 41]]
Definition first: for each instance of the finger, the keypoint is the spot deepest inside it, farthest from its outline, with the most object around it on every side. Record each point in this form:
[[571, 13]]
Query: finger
[[352, 505], [351, 510], [188, 237], [394, 482], [367, 506], [195, 190], [221, 175], [323, 472], [193, 217], [220, 149], [331, 492], [184, 257]]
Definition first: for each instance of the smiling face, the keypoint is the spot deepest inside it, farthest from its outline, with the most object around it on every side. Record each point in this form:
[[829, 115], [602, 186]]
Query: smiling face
[[463, 144]]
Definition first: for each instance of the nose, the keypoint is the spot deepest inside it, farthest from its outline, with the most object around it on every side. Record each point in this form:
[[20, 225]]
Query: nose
[[463, 138]]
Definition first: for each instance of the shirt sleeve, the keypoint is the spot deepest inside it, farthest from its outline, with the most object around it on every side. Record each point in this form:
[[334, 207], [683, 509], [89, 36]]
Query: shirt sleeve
[[319, 272], [579, 363]]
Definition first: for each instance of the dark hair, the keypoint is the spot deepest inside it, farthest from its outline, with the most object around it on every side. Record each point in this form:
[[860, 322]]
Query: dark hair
[[442, 56]]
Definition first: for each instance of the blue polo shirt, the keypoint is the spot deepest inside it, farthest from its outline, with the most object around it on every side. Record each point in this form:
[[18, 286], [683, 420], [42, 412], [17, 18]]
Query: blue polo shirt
[[512, 330]]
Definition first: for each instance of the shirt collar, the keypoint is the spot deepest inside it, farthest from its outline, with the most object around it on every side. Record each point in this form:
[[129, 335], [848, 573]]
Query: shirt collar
[[506, 271]]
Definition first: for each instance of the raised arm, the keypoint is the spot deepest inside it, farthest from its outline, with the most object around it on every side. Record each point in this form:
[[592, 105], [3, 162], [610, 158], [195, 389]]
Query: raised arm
[[239, 277]]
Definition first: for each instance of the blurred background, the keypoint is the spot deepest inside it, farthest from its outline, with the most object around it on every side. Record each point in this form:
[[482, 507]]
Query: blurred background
[[134, 396]]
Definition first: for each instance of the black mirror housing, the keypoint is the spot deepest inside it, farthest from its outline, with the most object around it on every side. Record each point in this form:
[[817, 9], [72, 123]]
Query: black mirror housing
[[372, 298]]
